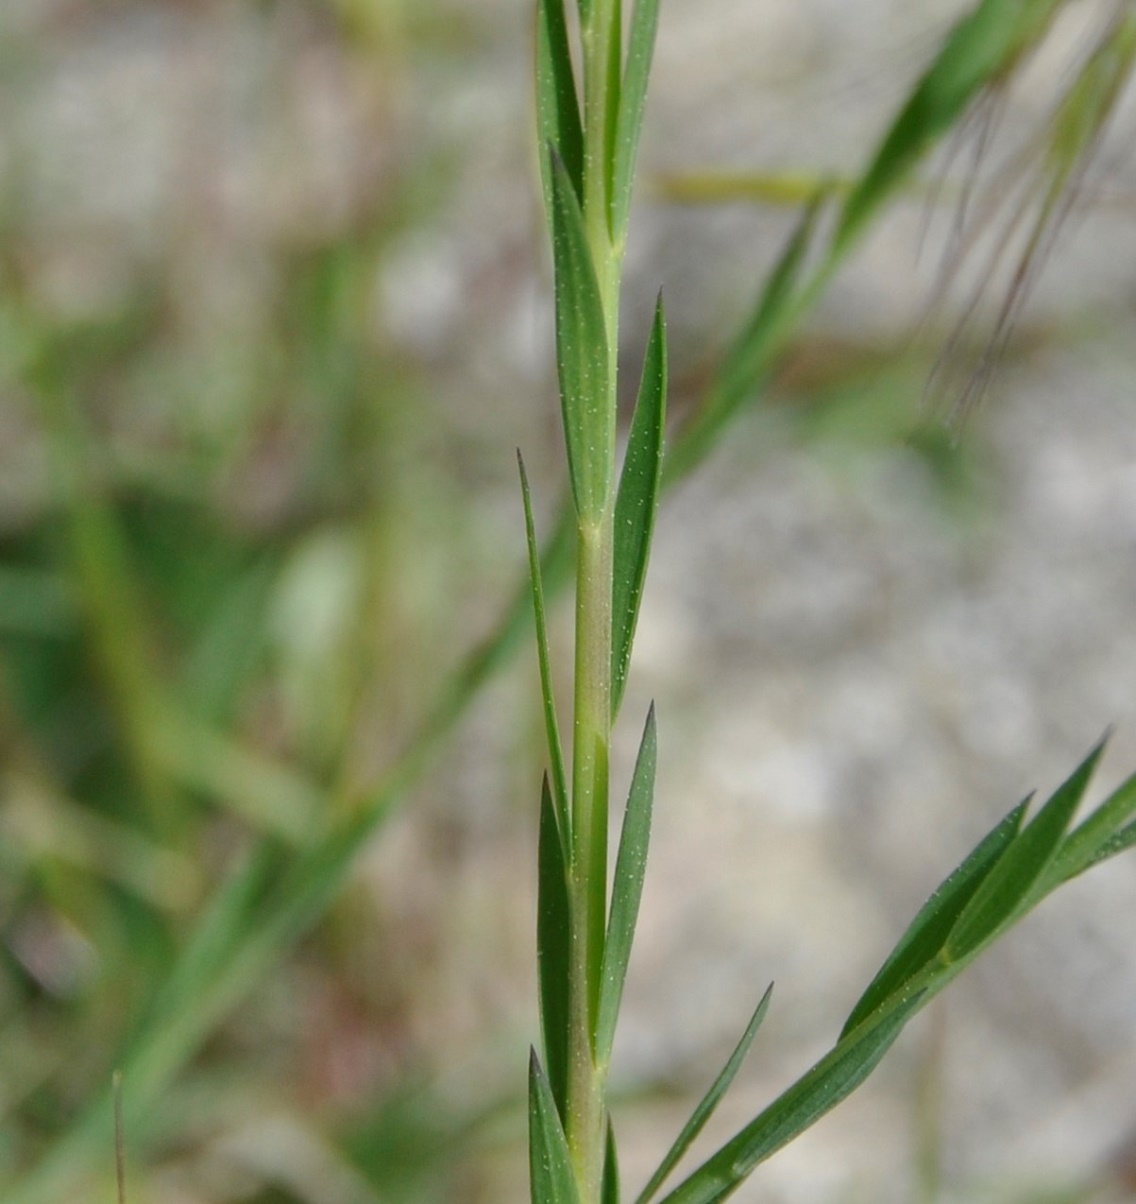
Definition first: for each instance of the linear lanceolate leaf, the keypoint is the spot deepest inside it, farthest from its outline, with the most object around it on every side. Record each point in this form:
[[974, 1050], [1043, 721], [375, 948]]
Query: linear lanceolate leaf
[[552, 946], [831, 1080], [708, 1103], [551, 727], [632, 99], [928, 932], [627, 890], [557, 104], [1020, 867], [636, 502], [581, 352], [611, 1168], [978, 53], [1101, 835], [1119, 843], [613, 65], [550, 1167]]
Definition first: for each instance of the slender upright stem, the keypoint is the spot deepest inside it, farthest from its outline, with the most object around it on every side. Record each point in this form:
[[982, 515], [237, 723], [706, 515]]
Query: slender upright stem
[[586, 1119], [588, 887]]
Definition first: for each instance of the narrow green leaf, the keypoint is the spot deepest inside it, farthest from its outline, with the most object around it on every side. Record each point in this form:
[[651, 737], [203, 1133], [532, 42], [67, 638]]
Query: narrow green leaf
[[928, 932], [1088, 842], [627, 890], [611, 1168], [708, 1103], [1123, 840], [552, 946], [557, 104], [550, 1168], [632, 100], [978, 52], [581, 352], [551, 726], [612, 95], [818, 1091], [636, 503], [1021, 866]]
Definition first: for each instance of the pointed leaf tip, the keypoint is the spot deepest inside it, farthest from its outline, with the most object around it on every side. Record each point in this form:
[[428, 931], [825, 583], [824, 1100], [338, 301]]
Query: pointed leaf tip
[[627, 889], [709, 1102], [544, 659], [551, 1178], [1009, 884], [637, 501]]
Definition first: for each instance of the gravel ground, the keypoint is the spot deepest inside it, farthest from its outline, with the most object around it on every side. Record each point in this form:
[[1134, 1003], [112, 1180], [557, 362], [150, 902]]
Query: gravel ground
[[852, 682]]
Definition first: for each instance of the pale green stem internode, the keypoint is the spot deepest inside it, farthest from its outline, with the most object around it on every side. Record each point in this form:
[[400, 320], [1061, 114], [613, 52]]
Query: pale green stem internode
[[586, 1119]]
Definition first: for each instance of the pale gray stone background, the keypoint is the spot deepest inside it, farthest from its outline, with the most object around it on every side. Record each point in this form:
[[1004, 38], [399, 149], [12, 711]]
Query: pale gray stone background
[[852, 684]]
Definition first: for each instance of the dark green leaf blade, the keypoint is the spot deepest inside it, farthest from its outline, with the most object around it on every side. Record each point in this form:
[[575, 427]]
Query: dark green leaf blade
[[818, 1091], [636, 503], [550, 1168], [613, 92], [632, 101], [1022, 865], [708, 1103], [1098, 837], [928, 932], [557, 104], [627, 890], [581, 352], [552, 946], [551, 726], [1118, 843], [611, 1168]]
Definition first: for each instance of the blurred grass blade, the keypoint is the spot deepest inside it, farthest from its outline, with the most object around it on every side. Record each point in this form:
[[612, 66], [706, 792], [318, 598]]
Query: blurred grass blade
[[233, 947], [632, 100], [928, 932], [831, 1080], [979, 52], [552, 946], [218, 932], [611, 1168], [581, 352], [548, 697], [550, 1167], [752, 350], [777, 189], [557, 103], [1009, 882], [749, 354], [636, 503], [708, 1103], [627, 890], [119, 1137]]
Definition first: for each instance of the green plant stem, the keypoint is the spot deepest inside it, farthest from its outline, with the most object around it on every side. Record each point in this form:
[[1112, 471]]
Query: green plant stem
[[586, 1119], [588, 886]]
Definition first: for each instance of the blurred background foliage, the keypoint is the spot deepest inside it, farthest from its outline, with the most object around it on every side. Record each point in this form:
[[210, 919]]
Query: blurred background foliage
[[235, 523], [269, 332]]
